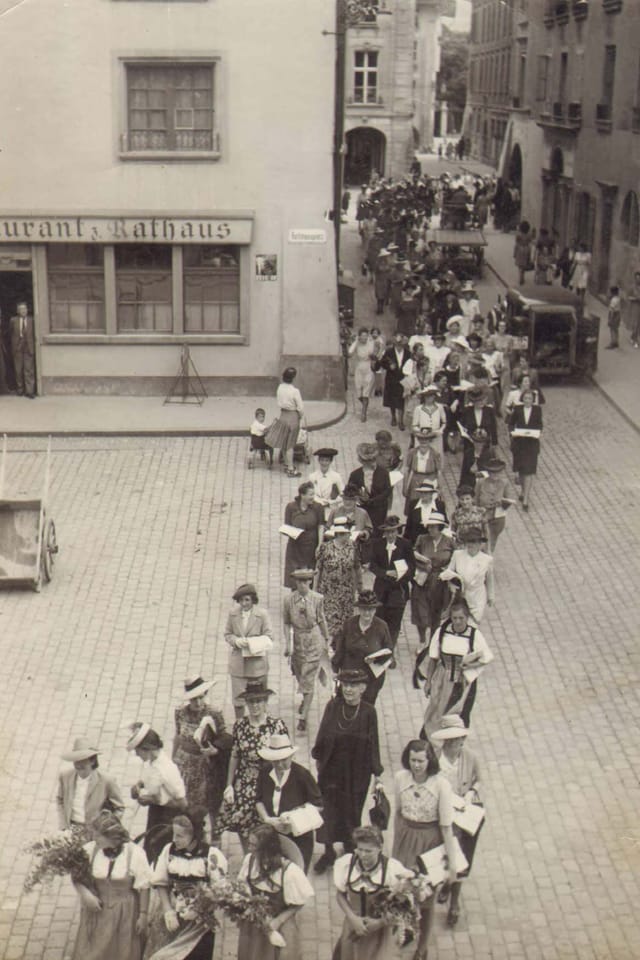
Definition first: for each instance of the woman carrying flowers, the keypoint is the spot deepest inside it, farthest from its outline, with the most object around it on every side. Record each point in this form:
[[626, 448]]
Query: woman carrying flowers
[[362, 878], [113, 918], [184, 865], [270, 875]]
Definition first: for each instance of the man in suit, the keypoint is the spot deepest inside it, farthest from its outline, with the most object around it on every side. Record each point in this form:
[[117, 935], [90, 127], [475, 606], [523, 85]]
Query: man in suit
[[248, 620], [23, 350], [393, 565], [392, 361], [372, 483], [477, 421]]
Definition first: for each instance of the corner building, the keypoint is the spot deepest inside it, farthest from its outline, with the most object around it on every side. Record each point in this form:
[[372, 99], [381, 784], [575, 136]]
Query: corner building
[[166, 170]]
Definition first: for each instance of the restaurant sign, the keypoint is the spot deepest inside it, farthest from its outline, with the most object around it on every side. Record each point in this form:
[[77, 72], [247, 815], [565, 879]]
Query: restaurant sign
[[124, 229]]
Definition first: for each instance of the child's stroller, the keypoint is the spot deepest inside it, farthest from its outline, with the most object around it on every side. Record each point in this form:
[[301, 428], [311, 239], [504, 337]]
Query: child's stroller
[[301, 451]]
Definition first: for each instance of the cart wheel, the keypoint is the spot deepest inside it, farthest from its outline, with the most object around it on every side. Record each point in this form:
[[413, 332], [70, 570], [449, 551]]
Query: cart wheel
[[49, 550]]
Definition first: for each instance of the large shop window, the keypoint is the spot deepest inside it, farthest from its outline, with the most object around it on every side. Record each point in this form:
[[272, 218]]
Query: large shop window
[[143, 288], [170, 107], [76, 288], [211, 289]]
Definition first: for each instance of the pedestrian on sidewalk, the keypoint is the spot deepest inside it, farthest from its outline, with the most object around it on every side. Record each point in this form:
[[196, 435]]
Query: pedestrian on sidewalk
[[495, 494], [393, 566], [392, 362], [580, 270], [632, 300], [306, 638], [246, 620], [613, 318], [522, 250]]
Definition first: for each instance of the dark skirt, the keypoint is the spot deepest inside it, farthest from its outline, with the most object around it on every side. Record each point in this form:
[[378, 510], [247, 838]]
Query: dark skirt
[[525, 455]]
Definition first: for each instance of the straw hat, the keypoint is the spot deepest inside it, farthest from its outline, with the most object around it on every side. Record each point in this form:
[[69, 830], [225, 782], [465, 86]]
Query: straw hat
[[341, 525], [195, 687], [303, 573], [392, 522], [367, 452], [82, 749], [458, 318], [451, 728], [277, 747], [142, 734], [328, 452], [424, 433], [438, 518]]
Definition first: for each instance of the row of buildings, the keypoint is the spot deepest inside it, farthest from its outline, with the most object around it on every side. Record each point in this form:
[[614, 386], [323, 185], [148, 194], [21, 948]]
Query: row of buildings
[[167, 171], [554, 103]]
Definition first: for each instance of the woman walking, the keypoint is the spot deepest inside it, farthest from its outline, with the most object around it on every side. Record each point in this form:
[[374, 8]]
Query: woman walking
[[339, 575], [308, 516], [522, 250], [424, 817], [283, 432], [364, 351], [526, 428], [113, 920]]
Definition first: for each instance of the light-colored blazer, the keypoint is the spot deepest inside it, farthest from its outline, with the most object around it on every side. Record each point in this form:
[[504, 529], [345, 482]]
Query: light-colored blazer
[[102, 789], [259, 625]]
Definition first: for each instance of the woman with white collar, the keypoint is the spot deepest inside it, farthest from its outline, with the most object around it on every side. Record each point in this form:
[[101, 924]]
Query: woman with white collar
[[160, 787], [327, 482], [84, 791], [460, 767], [430, 415]]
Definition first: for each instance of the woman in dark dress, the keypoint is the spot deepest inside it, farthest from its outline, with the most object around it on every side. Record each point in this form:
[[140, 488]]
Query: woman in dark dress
[[347, 753], [308, 516], [526, 427], [359, 637]]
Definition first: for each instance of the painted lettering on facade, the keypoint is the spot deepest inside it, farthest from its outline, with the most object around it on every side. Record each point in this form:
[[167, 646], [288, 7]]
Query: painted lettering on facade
[[124, 230]]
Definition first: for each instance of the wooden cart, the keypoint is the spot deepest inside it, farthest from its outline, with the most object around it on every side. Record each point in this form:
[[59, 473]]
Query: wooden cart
[[28, 544]]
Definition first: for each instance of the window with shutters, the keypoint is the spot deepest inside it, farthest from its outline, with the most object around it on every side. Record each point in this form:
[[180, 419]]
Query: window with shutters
[[365, 76]]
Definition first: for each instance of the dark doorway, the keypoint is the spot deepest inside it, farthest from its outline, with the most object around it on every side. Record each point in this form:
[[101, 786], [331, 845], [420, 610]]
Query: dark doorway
[[15, 285], [515, 167], [606, 230], [365, 153]]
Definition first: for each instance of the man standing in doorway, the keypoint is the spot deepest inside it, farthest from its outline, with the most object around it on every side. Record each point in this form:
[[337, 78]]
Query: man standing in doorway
[[23, 349]]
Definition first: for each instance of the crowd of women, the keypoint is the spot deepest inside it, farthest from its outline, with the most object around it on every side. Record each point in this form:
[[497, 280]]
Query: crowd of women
[[361, 550]]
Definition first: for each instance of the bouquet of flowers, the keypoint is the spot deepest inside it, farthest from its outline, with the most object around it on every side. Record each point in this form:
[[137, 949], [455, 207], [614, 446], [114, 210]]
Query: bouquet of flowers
[[61, 854], [400, 908], [234, 899]]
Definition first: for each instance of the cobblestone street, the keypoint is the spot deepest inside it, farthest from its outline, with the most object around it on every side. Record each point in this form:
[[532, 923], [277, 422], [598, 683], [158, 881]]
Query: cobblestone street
[[155, 535]]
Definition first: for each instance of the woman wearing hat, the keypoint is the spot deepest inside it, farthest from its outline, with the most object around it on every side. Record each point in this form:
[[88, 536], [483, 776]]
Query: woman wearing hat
[[495, 494], [392, 362], [303, 617], [308, 516], [456, 654], [201, 747], [360, 637], [393, 565], [429, 502], [272, 875], [187, 862], [430, 415], [359, 878], [381, 281], [364, 351], [474, 568], [347, 754], [372, 483], [283, 786], [250, 733], [113, 920], [460, 767], [423, 821], [160, 787], [479, 430], [327, 482], [432, 551], [84, 790], [422, 463], [469, 306], [338, 574], [245, 621]]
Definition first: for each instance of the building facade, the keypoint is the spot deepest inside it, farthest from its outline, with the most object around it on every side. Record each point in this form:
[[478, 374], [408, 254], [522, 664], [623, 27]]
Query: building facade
[[391, 63], [490, 93], [575, 130], [164, 186]]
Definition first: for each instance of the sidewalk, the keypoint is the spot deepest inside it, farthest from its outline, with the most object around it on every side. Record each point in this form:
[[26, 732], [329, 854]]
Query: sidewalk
[[142, 416], [618, 370]]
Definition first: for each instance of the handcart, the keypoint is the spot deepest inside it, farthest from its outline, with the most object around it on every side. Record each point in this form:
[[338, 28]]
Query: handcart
[[28, 545]]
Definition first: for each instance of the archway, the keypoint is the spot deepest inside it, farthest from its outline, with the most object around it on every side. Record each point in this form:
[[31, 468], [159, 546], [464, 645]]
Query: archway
[[366, 149]]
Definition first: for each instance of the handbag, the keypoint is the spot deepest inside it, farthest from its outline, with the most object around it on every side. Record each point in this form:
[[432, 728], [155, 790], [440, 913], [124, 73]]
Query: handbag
[[380, 812]]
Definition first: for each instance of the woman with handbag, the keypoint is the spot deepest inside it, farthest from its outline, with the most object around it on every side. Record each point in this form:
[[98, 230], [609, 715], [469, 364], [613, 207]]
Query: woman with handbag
[[201, 748], [283, 786], [424, 818], [460, 767]]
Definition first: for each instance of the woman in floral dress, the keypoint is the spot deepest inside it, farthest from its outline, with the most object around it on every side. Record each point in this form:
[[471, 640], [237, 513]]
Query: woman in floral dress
[[339, 575], [201, 748], [250, 734]]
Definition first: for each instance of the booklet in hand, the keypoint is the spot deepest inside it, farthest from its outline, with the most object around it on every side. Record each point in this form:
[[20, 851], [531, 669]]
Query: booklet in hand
[[468, 819], [379, 661], [436, 863], [289, 531]]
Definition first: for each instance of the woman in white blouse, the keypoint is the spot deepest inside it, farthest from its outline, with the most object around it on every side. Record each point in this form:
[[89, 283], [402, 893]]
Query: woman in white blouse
[[113, 919], [424, 818], [283, 433]]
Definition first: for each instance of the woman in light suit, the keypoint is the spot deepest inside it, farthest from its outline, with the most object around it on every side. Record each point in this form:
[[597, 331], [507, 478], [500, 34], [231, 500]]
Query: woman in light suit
[[83, 790], [247, 620]]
